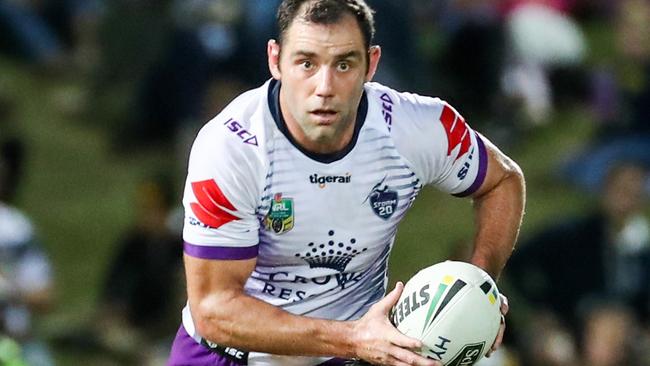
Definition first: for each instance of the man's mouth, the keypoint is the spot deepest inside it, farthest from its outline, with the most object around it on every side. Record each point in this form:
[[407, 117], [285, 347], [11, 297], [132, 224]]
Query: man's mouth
[[324, 116], [323, 112]]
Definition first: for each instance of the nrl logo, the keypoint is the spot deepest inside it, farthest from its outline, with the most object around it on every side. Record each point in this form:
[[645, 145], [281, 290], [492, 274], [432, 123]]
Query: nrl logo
[[280, 216], [383, 201]]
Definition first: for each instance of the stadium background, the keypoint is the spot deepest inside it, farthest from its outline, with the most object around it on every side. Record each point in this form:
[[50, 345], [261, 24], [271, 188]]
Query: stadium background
[[75, 111]]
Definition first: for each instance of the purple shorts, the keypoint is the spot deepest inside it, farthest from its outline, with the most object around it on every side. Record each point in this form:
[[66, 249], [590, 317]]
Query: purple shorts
[[187, 352]]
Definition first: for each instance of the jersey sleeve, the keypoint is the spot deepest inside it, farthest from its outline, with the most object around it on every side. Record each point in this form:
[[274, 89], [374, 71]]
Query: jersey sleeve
[[441, 147], [220, 198]]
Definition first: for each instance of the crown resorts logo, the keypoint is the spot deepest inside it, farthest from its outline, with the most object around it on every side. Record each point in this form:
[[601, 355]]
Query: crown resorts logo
[[331, 254]]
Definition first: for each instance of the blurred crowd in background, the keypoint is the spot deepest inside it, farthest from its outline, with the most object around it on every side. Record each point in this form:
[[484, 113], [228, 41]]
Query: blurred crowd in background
[[155, 70]]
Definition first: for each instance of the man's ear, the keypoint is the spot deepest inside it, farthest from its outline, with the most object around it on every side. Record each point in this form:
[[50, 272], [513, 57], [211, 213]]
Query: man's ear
[[374, 54], [273, 55]]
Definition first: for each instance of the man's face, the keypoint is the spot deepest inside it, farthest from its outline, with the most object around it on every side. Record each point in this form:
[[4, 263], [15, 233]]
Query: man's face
[[322, 69]]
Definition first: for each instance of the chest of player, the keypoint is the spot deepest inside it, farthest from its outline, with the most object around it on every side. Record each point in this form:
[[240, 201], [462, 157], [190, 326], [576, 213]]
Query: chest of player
[[329, 214]]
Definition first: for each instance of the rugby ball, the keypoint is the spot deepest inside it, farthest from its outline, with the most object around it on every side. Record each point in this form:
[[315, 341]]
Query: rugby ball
[[454, 309]]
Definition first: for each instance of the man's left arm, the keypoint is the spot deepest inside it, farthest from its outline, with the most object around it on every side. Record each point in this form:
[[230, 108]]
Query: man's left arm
[[499, 207]]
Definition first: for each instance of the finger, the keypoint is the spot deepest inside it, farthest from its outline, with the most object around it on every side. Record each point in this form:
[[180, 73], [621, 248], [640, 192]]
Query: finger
[[387, 303], [499, 339], [401, 340], [505, 307], [406, 357]]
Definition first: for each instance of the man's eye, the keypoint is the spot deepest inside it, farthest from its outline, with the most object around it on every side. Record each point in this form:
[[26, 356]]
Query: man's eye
[[307, 65], [343, 66]]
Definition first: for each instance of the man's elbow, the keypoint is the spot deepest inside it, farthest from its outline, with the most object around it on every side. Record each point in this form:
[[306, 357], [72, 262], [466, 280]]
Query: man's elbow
[[505, 181], [212, 319], [516, 174], [511, 175]]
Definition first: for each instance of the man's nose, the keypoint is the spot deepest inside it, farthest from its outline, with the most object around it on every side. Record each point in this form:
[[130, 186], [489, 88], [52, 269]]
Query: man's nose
[[325, 82]]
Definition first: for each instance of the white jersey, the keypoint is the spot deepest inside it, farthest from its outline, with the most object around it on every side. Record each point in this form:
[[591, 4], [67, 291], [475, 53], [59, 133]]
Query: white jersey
[[321, 226], [24, 268]]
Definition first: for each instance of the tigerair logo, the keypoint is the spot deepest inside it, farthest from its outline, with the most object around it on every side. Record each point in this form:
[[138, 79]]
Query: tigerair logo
[[331, 253], [322, 180]]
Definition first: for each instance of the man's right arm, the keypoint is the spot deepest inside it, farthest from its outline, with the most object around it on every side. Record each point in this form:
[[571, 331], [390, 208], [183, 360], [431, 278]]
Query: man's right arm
[[224, 314]]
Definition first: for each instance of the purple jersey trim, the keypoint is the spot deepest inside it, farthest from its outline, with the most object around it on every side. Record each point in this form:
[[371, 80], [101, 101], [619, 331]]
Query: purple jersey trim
[[482, 169], [334, 362], [209, 252], [187, 352]]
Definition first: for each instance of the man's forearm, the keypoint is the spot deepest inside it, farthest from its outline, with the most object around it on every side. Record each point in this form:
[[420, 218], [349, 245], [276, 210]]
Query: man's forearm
[[244, 322], [498, 217]]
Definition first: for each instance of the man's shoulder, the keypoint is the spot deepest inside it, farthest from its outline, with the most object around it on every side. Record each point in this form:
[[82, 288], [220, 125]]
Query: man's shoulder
[[405, 110], [407, 115], [384, 94]]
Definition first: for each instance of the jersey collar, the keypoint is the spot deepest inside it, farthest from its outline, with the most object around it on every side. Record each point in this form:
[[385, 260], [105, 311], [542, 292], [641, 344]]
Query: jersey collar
[[274, 106]]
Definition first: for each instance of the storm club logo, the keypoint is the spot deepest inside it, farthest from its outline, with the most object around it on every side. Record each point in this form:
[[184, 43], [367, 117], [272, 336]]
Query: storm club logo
[[383, 200]]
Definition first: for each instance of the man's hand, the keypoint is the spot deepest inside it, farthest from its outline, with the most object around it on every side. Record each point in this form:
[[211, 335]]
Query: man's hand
[[504, 310], [379, 342]]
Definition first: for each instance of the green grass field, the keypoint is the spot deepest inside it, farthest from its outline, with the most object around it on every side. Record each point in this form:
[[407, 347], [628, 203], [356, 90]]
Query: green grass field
[[78, 191]]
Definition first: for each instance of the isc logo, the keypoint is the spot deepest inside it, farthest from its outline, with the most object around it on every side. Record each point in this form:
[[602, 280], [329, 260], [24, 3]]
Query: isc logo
[[235, 353], [387, 110], [236, 128]]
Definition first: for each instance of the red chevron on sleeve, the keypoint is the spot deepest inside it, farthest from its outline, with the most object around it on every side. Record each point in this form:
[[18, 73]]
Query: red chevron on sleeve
[[457, 131], [210, 208]]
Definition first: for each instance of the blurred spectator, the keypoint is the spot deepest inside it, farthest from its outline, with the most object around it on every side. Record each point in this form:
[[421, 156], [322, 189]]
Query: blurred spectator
[[25, 271], [190, 42], [545, 341], [542, 38], [47, 33], [612, 338], [620, 99], [77, 23], [568, 267], [141, 294], [473, 59], [257, 28], [10, 352], [24, 32], [395, 35], [509, 63]]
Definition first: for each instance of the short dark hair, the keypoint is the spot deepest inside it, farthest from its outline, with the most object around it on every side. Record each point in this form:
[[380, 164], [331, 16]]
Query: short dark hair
[[327, 12]]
